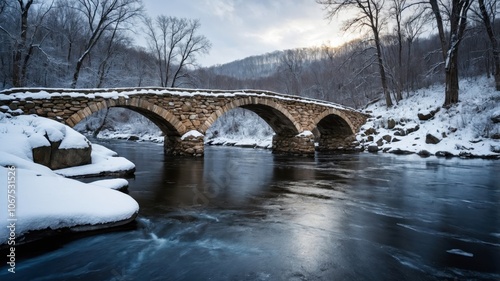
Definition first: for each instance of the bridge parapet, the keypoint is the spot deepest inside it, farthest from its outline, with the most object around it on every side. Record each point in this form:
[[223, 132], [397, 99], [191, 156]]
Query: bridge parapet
[[180, 111]]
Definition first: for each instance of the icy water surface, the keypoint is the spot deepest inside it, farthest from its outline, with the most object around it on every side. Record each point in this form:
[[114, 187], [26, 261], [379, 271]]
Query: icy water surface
[[244, 214]]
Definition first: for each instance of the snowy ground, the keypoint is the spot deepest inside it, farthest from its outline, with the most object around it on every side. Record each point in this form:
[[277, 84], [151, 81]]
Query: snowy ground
[[466, 129], [39, 198]]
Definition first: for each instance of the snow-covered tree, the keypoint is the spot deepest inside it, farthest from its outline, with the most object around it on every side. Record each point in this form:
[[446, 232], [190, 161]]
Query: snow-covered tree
[[456, 13], [176, 43], [102, 16], [26, 32]]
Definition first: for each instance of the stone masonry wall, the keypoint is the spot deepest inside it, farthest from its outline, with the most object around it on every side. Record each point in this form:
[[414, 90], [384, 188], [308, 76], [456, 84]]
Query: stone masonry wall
[[179, 111]]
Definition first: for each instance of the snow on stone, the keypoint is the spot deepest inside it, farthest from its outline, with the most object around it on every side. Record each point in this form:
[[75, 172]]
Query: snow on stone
[[305, 134], [192, 133], [20, 134], [116, 184], [103, 160], [34, 93]]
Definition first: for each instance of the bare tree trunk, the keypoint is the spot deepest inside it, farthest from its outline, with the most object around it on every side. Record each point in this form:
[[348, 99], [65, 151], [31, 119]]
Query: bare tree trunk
[[383, 78], [452, 88], [458, 22], [76, 74], [99, 129], [21, 45]]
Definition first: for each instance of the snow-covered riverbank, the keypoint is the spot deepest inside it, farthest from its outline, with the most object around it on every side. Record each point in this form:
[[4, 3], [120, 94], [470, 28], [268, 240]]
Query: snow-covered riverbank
[[419, 123], [40, 200]]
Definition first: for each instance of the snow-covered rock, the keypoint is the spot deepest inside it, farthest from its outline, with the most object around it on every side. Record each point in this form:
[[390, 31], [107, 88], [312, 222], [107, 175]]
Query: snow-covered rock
[[44, 141]]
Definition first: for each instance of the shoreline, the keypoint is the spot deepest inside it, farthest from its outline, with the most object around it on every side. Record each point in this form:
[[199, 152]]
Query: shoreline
[[254, 144]]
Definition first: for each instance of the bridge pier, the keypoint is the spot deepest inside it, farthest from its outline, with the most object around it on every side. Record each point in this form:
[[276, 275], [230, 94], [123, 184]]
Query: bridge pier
[[336, 143], [188, 146], [301, 144]]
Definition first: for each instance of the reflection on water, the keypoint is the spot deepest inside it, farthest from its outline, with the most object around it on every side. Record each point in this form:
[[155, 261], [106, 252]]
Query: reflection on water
[[244, 214]]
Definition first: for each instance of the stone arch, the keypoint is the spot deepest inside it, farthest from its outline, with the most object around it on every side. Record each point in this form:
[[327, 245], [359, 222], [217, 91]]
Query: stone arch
[[333, 122], [166, 121], [278, 117]]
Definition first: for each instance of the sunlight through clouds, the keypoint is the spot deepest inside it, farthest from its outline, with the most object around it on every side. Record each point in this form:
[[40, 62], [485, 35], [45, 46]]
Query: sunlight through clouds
[[238, 29]]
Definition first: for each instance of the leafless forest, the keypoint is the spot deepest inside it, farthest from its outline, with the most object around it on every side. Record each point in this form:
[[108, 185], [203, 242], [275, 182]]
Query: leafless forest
[[405, 45]]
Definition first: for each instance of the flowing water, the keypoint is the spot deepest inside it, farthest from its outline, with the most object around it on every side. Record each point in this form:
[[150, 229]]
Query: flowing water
[[246, 214]]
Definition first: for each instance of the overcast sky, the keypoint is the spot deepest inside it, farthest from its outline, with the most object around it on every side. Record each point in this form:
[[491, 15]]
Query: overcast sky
[[242, 28]]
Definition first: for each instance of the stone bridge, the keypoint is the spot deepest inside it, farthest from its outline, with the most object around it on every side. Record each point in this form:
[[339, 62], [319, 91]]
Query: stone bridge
[[184, 115]]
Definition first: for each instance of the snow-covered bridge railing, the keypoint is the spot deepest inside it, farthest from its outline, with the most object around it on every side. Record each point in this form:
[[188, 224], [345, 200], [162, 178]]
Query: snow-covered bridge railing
[[184, 115]]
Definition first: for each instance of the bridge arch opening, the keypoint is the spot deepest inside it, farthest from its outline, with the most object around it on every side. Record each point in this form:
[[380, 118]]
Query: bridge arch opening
[[241, 127], [119, 123], [277, 117], [164, 120], [333, 131]]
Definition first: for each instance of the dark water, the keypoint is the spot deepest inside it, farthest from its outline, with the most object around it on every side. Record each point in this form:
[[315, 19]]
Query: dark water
[[244, 214]]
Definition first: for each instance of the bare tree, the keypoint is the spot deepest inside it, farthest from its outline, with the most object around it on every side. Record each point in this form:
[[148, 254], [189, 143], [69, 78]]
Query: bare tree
[[397, 9], [290, 68], [413, 26], [27, 38], [369, 15], [176, 44], [456, 10], [486, 12], [101, 15]]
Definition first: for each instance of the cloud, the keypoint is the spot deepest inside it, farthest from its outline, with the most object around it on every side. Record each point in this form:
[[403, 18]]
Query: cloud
[[241, 28]]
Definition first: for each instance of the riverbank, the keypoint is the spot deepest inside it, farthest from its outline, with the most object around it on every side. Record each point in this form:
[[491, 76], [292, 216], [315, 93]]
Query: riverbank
[[48, 202], [419, 124]]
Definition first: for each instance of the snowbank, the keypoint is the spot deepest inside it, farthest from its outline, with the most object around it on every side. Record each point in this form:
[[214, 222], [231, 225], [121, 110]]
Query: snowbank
[[20, 134], [418, 124], [104, 162], [242, 141], [116, 184], [47, 201], [43, 200]]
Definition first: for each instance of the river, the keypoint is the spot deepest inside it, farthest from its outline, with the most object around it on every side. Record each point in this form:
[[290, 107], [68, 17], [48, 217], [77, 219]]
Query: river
[[246, 214]]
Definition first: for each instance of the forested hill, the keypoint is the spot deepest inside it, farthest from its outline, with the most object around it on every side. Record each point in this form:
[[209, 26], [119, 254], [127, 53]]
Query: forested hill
[[251, 67], [260, 66], [349, 74], [62, 45]]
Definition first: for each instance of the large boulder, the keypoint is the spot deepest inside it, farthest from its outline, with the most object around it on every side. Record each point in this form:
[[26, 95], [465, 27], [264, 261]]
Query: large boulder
[[430, 139], [496, 117], [55, 157], [64, 158], [426, 115]]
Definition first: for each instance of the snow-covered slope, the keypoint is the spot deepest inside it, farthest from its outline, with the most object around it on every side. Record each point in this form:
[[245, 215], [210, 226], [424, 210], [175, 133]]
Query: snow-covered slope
[[466, 129]]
